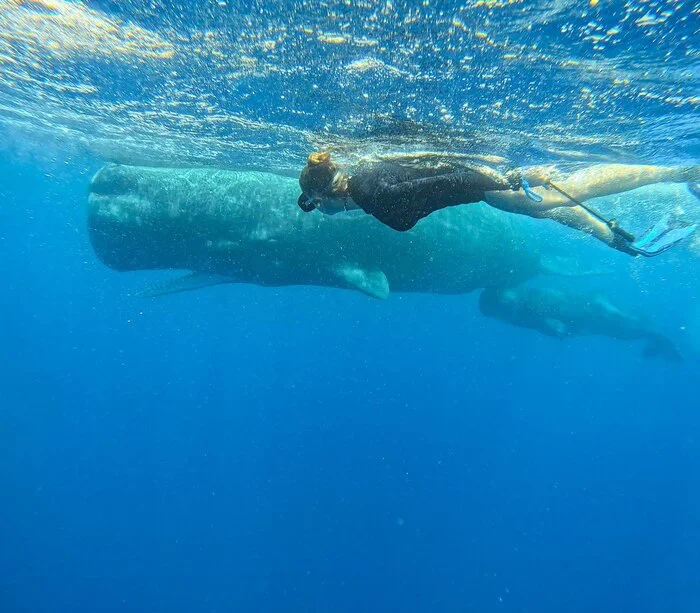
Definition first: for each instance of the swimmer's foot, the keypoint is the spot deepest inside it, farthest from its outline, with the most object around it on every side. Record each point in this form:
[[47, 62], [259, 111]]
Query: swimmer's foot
[[666, 234]]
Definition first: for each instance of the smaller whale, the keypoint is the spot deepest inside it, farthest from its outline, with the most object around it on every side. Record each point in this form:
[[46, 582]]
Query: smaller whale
[[563, 312]]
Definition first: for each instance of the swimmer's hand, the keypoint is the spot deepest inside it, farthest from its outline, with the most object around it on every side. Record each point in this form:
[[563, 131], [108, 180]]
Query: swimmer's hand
[[514, 178]]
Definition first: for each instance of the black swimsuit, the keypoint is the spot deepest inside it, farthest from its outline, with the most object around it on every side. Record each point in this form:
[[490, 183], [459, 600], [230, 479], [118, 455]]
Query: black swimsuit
[[400, 196]]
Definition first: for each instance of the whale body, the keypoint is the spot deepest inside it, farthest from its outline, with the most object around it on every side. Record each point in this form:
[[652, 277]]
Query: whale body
[[245, 227]]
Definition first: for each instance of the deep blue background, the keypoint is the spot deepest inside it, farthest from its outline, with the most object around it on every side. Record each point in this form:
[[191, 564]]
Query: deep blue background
[[304, 449]]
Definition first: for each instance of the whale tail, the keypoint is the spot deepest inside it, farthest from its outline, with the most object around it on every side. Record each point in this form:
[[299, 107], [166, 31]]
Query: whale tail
[[660, 347]]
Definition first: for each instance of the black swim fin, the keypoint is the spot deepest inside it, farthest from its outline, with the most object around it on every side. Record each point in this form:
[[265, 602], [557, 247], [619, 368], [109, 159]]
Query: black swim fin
[[665, 234]]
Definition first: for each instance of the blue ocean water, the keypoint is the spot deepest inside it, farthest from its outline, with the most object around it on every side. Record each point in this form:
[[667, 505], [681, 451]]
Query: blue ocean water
[[256, 449]]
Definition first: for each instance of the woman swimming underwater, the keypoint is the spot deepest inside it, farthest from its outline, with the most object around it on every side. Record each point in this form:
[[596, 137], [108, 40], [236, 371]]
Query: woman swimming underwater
[[401, 194]]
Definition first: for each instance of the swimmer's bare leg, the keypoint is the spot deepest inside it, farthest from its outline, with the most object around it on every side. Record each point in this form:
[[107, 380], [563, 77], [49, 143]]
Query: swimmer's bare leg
[[607, 179], [555, 208], [579, 219], [593, 182]]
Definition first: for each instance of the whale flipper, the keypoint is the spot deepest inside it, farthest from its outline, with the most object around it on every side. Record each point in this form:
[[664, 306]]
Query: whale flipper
[[188, 283], [371, 282], [554, 327]]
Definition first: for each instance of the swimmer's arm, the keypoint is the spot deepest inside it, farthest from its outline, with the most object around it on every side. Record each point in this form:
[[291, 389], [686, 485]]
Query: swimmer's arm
[[337, 206]]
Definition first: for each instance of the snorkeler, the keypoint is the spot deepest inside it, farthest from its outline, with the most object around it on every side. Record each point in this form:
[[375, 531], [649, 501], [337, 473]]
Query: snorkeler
[[401, 194]]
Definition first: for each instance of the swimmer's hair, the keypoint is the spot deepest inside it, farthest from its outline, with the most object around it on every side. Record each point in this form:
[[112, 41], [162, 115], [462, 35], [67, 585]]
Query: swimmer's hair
[[322, 157], [320, 175]]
